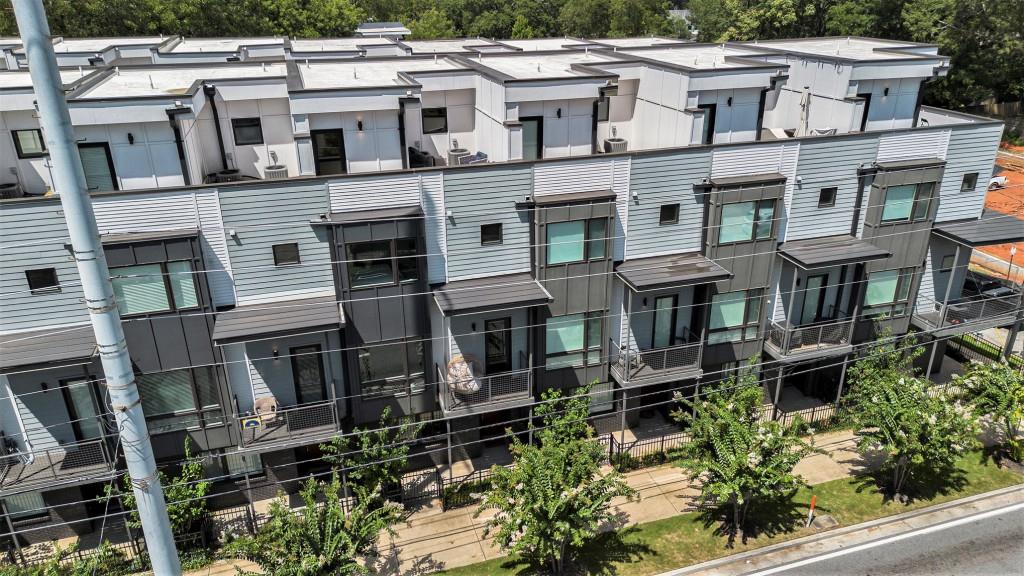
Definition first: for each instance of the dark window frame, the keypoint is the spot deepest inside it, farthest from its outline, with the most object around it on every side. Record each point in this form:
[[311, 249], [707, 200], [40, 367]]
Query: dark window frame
[[319, 159], [247, 122], [110, 162], [827, 196], [294, 353], [755, 223], [394, 257], [589, 241], [389, 386], [924, 194], [172, 305], [710, 113], [492, 242], [27, 155], [899, 306], [53, 288], [279, 259], [749, 299], [505, 328], [201, 412], [973, 177], [673, 217], [587, 350], [434, 110], [942, 263]]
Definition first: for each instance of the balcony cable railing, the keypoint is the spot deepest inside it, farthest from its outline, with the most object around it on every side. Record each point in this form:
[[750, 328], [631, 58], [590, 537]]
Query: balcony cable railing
[[284, 422], [809, 337], [966, 310], [489, 388], [55, 463], [630, 360]]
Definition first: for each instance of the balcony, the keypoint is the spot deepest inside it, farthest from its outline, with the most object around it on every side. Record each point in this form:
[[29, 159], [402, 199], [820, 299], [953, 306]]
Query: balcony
[[966, 314], [279, 425], [486, 393], [810, 340], [633, 367], [47, 468]]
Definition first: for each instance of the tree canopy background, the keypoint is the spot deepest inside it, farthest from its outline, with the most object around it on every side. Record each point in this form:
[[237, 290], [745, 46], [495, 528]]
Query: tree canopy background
[[984, 38]]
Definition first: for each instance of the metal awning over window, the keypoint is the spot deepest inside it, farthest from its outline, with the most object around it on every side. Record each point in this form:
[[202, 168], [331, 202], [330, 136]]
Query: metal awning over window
[[257, 321], [830, 251], [50, 346], [359, 216], [493, 292], [992, 228], [674, 270], [569, 197]]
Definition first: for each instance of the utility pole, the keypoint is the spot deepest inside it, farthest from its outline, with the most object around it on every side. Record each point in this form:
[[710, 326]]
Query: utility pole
[[69, 183]]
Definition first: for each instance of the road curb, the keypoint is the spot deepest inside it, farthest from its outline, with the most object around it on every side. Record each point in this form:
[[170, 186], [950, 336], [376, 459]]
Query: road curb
[[838, 532]]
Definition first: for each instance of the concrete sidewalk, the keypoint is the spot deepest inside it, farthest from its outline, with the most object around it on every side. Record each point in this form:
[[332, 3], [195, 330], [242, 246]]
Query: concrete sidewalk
[[431, 539]]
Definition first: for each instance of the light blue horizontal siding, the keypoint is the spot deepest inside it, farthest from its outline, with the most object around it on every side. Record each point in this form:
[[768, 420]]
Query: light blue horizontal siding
[[262, 217], [823, 164], [971, 149], [666, 179], [487, 196]]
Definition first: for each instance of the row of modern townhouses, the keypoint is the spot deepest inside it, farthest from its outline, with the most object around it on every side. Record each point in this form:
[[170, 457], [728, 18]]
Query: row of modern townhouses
[[297, 246]]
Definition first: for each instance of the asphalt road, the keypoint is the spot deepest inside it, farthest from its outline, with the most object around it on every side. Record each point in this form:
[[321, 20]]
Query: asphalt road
[[992, 546]]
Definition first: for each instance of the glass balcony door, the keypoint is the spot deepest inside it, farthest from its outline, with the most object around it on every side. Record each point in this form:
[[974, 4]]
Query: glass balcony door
[[814, 299], [664, 321], [83, 409]]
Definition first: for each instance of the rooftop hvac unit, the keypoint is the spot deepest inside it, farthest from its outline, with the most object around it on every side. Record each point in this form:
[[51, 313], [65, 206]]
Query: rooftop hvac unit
[[10, 190], [275, 172], [615, 145]]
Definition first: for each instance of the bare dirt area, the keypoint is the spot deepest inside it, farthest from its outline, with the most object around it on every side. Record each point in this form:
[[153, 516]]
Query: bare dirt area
[[1007, 200]]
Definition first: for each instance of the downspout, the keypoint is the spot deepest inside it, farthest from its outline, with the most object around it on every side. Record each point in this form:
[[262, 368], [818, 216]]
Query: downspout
[[211, 95], [172, 116]]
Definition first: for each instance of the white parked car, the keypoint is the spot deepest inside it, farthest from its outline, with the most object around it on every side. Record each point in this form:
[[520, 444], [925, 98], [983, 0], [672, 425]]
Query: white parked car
[[997, 182]]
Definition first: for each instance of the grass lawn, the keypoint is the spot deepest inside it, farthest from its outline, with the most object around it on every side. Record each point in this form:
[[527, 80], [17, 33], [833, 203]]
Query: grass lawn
[[689, 539]]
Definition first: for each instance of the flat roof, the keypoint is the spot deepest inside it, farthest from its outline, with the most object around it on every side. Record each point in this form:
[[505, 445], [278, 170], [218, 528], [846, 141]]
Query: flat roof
[[992, 228], [848, 48], [523, 66], [164, 80], [357, 73], [480, 294], [535, 44], [276, 319], [639, 42], [338, 44], [47, 346], [22, 79], [450, 45], [698, 56], [221, 44], [668, 271], [98, 44], [830, 251]]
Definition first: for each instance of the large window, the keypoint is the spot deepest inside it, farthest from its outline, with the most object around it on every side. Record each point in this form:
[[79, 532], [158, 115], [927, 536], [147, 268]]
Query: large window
[[26, 505], [573, 340], [908, 202], [29, 143], [746, 221], [577, 241], [154, 287], [247, 131], [180, 399], [391, 368], [382, 262], [887, 292], [435, 120], [735, 316], [42, 280]]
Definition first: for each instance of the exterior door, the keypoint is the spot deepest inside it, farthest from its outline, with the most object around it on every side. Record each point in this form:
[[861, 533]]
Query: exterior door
[[533, 137], [499, 345], [98, 166], [328, 151], [664, 321], [83, 409], [308, 374], [814, 299], [867, 108]]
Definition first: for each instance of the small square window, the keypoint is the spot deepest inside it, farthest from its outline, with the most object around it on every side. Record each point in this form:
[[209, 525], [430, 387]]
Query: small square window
[[435, 120], [29, 143], [42, 280], [247, 131], [827, 197], [490, 234], [286, 254], [947, 263], [669, 214], [969, 182]]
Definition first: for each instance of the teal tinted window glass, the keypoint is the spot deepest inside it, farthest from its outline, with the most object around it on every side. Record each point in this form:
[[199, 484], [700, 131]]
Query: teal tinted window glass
[[565, 241], [183, 284], [881, 287], [564, 333], [737, 222], [140, 289], [899, 201], [727, 309]]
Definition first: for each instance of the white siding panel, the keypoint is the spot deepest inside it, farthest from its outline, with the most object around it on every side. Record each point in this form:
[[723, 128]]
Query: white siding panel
[[746, 160], [219, 275], [437, 244], [352, 194], [913, 145], [788, 158], [620, 185], [566, 177]]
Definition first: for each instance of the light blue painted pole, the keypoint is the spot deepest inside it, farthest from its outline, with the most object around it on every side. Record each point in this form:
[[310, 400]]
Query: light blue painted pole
[[69, 183]]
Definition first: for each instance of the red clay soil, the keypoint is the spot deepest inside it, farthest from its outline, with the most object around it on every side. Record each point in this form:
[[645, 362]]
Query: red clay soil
[[1008, 200]]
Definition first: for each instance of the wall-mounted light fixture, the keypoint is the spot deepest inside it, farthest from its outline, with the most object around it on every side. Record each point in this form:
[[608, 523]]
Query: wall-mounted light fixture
[[644, 303], [131, 138], [277, 354], [558, 113], [359, 125], [473, 326], [728, 101], [885, 92], [44, 386]]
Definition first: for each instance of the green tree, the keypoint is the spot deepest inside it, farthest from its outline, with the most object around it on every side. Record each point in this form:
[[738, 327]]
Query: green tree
[[554, 498], [739, 460], [996, 391], [185, 495], [322, 538], [432, 24], [721, 20], [376, 459], [521, 29], [491, 24], [638, 18], [584, 18]]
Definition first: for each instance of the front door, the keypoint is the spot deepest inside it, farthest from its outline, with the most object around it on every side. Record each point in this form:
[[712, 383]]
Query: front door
[[308, 374], [83, 409], [533, 137], [499, 345], [328, 151], [98, 166], [664, 321], [814, 299]]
